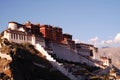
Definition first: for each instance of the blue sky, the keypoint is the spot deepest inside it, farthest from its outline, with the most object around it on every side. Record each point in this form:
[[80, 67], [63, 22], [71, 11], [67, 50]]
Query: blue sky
[[89, 21]]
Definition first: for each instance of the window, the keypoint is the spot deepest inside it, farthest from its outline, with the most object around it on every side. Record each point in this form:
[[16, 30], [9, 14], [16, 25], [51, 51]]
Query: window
[[24, 37], [20, 36], [11, 36], [16, 36]]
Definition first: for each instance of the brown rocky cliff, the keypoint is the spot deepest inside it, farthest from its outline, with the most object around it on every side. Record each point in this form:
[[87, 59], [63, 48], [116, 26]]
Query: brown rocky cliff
[[22, 66]]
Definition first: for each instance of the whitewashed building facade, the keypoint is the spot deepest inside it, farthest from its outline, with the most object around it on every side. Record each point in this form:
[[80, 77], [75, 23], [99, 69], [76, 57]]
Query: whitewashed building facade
[[20, 35]]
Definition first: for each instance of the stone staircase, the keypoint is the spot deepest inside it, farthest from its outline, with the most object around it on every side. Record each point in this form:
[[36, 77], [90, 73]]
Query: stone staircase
[[54, 62]]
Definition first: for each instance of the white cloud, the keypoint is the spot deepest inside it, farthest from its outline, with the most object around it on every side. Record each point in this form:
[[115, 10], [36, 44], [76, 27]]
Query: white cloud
[[113, 41], [107, 42], [117, 38], [102, 42], [94, 40]]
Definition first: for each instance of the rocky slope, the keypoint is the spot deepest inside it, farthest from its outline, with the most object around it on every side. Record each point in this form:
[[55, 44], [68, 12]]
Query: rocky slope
[[26, 64]]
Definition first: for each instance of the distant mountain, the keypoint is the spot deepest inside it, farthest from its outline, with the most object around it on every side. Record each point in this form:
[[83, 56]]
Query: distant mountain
[[105, 47], [111, 52]]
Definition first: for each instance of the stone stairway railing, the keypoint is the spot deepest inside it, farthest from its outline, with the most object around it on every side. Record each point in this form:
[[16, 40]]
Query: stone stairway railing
[[54, 62]]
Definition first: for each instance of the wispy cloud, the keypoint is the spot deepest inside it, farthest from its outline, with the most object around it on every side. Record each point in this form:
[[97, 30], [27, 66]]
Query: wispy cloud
[[117, 38], [94, 41], [114, 41], [107, 42]]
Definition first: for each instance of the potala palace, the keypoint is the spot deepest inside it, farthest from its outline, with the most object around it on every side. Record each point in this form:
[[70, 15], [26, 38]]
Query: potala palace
[[57, 47]]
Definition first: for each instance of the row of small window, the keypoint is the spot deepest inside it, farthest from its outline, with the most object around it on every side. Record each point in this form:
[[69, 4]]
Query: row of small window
[[19, 37]]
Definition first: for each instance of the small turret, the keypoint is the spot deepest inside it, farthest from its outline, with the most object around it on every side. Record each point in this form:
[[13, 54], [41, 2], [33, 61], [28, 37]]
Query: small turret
[[28, 24], [12, 25]]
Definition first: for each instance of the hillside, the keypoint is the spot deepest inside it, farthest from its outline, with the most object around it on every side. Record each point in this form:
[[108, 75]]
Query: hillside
[[26, 64], [111, 52]]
